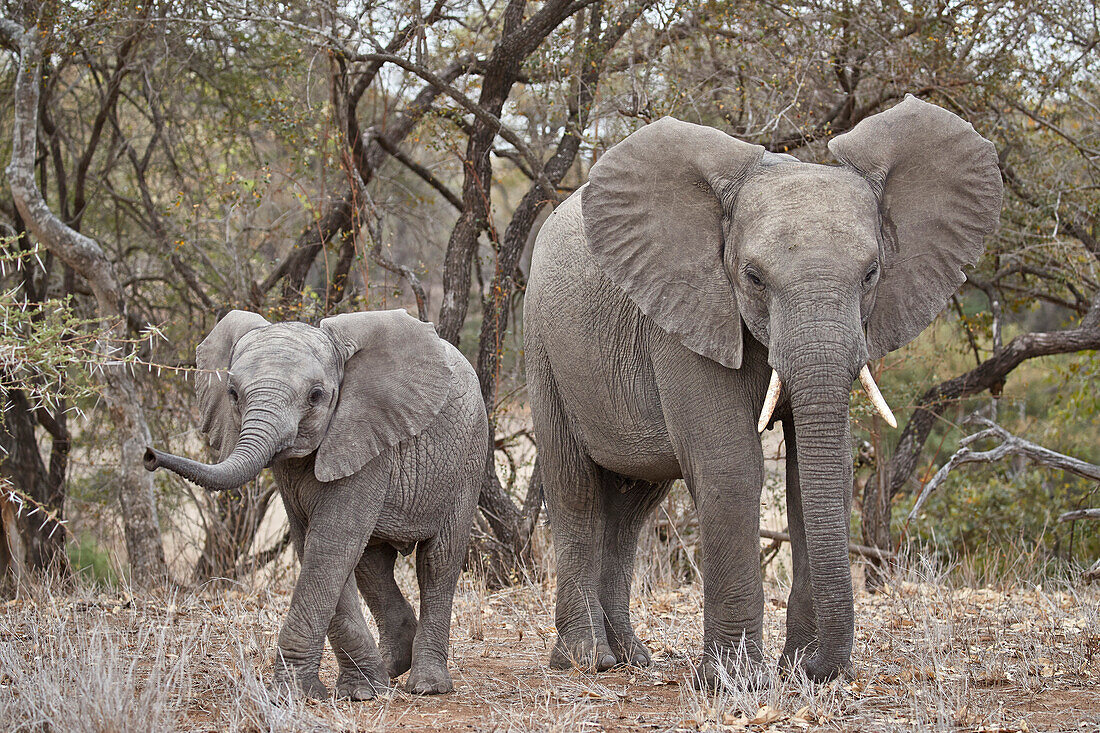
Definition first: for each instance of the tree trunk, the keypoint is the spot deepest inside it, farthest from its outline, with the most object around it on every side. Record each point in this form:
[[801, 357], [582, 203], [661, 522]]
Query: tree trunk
[[12, 568], [43, 539], [874, 520], [86, 257], [511, 526]]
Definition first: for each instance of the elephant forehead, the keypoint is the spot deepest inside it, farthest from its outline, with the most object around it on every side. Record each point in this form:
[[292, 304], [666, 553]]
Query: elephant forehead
[[801, 203], [282, 346]]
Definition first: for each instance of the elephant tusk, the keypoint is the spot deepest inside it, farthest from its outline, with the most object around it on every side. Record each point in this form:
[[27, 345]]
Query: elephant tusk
[[877, 399], [770, 401]]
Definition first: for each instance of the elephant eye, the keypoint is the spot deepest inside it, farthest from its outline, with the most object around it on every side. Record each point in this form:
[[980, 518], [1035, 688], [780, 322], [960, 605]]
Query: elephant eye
[[316, 395], [233, 396], [870, 276], [755, 279]]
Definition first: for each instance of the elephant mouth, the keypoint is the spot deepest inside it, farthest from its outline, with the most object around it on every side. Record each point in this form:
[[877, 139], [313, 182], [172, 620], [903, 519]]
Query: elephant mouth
[[294, 451], [775, 386]]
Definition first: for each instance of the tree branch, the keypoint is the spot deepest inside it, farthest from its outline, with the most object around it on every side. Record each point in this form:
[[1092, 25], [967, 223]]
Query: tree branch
[[1010, 446], [486, 117], [84, 255], [989, 374], [426, 175], [1079, 514], [374, 231]]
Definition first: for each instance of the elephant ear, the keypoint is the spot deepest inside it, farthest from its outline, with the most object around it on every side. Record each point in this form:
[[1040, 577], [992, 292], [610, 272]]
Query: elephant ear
[[396, 379], [653, 216], [220, 421], [939, 189]]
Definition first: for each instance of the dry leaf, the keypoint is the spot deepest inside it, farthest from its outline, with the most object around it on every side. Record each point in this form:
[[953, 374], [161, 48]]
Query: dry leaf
[[766, 715], [736, 721]]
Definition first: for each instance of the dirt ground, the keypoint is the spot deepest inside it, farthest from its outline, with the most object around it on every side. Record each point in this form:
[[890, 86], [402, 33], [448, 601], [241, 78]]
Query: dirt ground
[[928, 657]]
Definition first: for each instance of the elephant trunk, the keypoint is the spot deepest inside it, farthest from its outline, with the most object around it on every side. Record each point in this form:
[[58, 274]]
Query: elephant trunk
[[823, 437], [260, 440], [818, 361]]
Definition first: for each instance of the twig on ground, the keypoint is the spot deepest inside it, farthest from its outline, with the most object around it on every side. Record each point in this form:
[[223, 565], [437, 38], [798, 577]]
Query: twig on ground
[[853, 548]]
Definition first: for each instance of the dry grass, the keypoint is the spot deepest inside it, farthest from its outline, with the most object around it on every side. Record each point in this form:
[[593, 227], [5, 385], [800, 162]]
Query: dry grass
[[929, 656]]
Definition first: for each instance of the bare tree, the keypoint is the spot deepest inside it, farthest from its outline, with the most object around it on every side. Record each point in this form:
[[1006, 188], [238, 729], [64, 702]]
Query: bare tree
[[86, 257]]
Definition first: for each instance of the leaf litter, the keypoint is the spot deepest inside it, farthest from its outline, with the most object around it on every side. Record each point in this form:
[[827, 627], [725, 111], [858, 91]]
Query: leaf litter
[[927, 657]]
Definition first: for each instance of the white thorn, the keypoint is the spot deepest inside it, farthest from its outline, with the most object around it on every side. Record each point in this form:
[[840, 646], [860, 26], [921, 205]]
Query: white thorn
[[877, 399], [770, 401]]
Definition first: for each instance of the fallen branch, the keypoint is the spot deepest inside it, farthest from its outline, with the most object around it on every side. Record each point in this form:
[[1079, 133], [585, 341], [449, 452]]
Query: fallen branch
[[1080, 514], [853, 548], [1010, 446]]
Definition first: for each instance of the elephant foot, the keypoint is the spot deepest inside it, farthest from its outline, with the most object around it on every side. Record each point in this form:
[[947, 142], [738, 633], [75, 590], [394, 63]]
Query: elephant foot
[[294, 683], [587, 654], [429, 679], [397, 647], [795, 652], [632, 652], [820, 670], [359, 689], [733, 671]]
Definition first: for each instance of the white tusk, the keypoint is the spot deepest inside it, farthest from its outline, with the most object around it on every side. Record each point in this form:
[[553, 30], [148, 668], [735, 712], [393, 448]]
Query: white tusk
[[770, 401], [877, 399]]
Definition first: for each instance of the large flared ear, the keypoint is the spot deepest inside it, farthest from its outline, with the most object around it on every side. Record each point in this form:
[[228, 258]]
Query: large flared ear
[[396, 379], [939, 189], [220, 421], [653, 216]]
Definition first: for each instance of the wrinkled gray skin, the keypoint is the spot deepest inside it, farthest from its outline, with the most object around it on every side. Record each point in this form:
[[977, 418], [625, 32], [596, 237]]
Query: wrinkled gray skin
[[377, 433], [662, 295]]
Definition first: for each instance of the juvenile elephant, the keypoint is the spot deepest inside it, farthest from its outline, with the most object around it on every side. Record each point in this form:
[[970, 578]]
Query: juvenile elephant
[[376, 431], [664, 293]]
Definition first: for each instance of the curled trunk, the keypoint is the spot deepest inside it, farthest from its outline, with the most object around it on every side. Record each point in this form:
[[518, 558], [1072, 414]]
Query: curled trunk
[[253, 451]]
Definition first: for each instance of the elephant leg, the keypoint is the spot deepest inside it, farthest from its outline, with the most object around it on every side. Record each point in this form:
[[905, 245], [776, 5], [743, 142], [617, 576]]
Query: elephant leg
[[801, 621], [438, 565], [628, 504], [573, 488], [288, 677], [362, 671], [711, 416], [395, 617], [733, 594], [574, 501], [334, 539]]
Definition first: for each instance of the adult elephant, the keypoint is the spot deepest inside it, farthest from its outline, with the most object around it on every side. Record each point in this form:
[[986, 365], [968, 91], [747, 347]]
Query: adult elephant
[[664, 293]]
